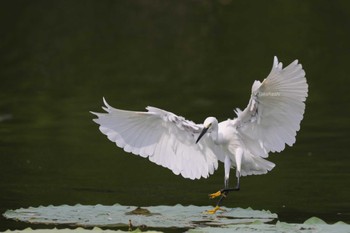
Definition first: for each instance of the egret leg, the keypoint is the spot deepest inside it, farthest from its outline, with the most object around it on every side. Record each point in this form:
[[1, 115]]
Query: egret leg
[[223, 194], [236, 188], [226, 190], [227, 164]]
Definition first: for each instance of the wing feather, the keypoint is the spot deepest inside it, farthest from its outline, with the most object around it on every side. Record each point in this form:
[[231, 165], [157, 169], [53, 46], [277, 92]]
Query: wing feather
[[165, 138], [275, 110]]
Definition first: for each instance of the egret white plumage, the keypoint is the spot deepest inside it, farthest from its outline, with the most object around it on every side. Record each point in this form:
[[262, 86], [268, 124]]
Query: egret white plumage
[[269, 122]]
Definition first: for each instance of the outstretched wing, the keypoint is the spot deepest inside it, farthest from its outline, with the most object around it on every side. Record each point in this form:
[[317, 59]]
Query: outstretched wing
[[275, 110], [165, 138]]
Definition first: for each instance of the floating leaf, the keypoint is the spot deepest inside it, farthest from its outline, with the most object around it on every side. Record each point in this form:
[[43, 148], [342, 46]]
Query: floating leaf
[[192, 218], [314, 220], [77, 230], [279, 227], [153, 216]]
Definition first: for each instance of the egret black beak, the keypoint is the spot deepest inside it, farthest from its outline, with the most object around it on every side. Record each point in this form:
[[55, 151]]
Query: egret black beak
[[201, 135]]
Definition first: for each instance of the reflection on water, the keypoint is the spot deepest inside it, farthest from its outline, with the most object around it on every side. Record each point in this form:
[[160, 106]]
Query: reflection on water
[[193, 58]]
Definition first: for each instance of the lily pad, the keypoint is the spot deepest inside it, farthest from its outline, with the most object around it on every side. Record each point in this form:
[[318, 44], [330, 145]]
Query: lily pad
[[192, 218], [77, 230], [310, 226], [314, 221], [153, 216]]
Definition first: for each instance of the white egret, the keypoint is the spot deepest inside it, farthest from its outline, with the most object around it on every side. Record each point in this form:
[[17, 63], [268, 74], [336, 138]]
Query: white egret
[[269, 122]]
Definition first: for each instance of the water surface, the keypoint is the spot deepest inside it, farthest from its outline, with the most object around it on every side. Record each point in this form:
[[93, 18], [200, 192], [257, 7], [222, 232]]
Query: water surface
[[194, 58]]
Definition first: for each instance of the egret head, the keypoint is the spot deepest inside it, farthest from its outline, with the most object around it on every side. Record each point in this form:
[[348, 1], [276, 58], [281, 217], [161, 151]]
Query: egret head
[[209, 124]]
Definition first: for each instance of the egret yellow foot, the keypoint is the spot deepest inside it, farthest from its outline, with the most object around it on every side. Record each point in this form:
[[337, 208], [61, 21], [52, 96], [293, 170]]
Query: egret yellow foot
[[213, 211], [214, 195]]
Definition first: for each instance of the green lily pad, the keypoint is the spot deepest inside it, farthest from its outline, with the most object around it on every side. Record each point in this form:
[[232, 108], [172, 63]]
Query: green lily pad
[[279, 227], [192, 218], [153, 216], [77, 230], [314, 221]]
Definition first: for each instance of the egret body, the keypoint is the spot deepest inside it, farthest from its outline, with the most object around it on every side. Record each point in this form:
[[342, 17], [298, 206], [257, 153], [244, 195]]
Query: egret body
[[269, 122]]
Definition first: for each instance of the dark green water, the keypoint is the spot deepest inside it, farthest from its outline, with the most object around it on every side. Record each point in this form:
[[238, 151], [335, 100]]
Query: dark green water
[[194, 58]]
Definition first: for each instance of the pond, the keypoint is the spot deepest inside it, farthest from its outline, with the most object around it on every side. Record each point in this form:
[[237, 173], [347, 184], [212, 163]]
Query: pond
[[194, 58]]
